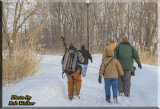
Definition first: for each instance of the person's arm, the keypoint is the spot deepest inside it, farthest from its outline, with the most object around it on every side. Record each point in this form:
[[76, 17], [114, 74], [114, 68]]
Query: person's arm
[[80, 57], [136, 57], [119, 68], [115, 53], [104, 53], [89, 56], [101, 70], [63, 58]]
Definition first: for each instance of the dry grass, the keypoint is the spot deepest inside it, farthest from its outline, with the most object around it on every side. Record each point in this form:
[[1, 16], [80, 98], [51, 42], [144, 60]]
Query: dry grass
[[22, 61], [17, 67], [147, 58]]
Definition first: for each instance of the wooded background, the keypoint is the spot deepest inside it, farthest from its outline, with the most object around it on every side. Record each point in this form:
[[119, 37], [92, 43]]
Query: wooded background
[[30, 28], [107, 20]]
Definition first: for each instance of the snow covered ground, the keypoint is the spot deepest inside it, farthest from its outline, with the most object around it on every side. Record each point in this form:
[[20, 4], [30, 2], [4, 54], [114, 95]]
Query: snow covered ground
[[49, 89]]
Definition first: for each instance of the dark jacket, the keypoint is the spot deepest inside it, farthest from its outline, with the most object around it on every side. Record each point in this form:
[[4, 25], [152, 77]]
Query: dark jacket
[[85, 53], [125, 53]]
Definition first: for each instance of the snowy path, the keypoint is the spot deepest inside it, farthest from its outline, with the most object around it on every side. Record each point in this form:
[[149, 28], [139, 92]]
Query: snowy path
[[47, 87]]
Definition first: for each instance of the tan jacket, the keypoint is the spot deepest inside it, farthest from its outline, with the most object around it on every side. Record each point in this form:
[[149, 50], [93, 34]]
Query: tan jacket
[[113, 69], [111, 46]]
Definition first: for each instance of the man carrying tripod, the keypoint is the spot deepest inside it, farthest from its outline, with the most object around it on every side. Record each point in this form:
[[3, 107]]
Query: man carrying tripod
[[70, 65]]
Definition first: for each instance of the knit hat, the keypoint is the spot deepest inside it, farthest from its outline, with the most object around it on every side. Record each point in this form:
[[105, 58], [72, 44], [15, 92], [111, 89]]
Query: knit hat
[[125, 38], [111, 41], [83, 47], [70, 46]]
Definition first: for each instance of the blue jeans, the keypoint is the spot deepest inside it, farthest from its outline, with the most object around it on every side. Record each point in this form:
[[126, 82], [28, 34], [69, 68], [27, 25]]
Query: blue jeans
[[108, 83], [84, 69]]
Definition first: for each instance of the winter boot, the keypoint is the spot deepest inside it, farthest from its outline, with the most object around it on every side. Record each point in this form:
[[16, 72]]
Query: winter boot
[[127, 95], [76, 96], [70, 98], [120, 93], [109, 101], [115, 101]]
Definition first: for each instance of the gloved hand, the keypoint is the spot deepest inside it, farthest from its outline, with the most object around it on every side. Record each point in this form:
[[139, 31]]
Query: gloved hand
[[122, 77], [100, 79], [102, 60], [139, 65], [91, 61]]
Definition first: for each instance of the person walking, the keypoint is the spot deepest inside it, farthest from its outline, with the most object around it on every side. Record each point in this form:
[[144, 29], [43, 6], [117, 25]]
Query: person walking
[[110, 46], [74, 78], [86, 54], [110, 68], [125, 53]]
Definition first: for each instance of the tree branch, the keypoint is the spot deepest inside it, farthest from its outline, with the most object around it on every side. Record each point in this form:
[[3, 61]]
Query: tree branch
[[32, 13], [15, 22], [20, 9]]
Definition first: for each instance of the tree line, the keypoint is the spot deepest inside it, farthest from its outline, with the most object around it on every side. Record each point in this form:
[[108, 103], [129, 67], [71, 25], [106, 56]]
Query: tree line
[[37, 26], [107, 20]]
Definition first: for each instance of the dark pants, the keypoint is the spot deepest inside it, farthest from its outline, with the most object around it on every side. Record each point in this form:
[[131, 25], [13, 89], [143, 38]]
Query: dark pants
[[125, 84], [108, 83]]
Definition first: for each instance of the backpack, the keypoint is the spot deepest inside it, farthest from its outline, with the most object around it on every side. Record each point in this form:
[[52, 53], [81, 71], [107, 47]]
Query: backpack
[[69, 63]]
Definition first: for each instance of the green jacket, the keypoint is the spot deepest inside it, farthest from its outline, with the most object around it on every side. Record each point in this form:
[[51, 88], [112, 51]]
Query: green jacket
[[125, 53]]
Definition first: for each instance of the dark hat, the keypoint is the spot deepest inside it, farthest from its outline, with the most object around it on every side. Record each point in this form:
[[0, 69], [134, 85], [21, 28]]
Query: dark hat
[[70, 46], [111, 41], [83, 47]]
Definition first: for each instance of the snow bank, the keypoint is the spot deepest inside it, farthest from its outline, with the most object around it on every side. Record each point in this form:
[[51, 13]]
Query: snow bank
[[48, 89]]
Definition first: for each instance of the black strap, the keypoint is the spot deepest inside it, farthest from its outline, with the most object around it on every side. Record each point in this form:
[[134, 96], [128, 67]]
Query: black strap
[[108, 63]]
